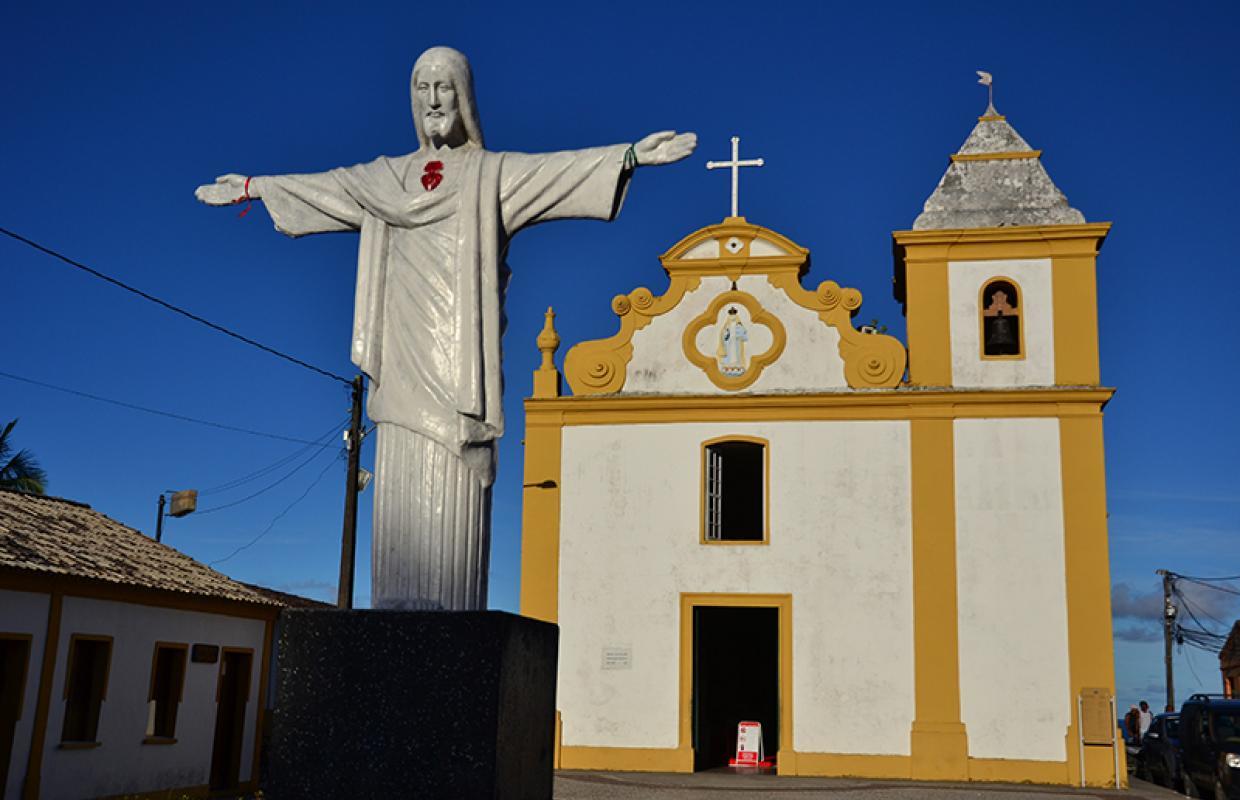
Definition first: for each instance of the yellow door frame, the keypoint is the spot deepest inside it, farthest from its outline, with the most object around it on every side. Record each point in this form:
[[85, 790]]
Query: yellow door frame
[[782, 602]]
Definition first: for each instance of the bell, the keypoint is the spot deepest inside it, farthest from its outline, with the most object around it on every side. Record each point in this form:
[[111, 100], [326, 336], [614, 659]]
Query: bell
[[1001, 336]]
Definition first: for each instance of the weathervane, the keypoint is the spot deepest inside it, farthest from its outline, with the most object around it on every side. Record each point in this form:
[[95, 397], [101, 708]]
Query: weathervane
[[735, 165], [988, 80]]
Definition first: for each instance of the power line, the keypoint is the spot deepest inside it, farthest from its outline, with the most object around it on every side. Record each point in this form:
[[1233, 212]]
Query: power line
[[268, 487], [244, 479], [157, 412], [277, 518], [176, 309]]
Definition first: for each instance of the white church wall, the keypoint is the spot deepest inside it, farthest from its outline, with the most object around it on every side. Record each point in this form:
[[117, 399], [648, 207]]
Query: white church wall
[[965, 281], [840, 544], [1014, 681], [122, 764], [24, 613], [810, 362]]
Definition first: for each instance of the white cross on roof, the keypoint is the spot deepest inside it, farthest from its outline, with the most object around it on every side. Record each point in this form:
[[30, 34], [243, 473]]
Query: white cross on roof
[[735, 164]]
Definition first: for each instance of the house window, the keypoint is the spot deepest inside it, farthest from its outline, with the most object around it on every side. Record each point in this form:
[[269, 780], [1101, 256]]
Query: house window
[[167, 681], [1002, 336], [734, 492], [86, 686]]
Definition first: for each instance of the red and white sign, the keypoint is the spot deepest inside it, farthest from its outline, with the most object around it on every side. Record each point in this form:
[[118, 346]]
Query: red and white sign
[[749, 746]]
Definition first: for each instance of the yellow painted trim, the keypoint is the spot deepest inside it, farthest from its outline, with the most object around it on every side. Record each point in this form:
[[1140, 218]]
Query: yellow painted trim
[[1074, 297], [928, 314], [627, 759], [757, 363], [1003, 770], [1016, 155], [893, 405], [783, 602], [547, 377], [795, 260], [939, 741], [1088, 582], [871, 361], [991, 118], [540, 518], [601, 366], [47, 673], [766, 492], [981, 319], [1016, 241], [921, 265], [840, 765]]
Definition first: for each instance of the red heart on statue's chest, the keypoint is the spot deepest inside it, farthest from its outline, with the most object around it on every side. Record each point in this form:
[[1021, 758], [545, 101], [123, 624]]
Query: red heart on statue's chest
[[432, 175]]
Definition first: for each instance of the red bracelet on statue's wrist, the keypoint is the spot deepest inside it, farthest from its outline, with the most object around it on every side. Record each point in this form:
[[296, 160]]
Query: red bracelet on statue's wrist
[[245, 197]]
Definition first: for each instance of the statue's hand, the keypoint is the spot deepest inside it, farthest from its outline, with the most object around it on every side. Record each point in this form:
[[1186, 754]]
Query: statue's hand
[[226, 190], [664, 147]]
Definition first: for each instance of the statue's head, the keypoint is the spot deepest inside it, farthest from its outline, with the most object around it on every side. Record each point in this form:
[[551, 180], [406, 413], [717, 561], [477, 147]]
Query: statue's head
[[444, 111]]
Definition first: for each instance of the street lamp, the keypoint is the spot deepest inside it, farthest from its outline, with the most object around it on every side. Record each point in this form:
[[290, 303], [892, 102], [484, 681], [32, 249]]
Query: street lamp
[[183, 502]]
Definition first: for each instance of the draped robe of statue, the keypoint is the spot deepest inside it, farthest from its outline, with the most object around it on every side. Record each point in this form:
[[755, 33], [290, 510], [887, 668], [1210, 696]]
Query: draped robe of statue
[[427, 324]]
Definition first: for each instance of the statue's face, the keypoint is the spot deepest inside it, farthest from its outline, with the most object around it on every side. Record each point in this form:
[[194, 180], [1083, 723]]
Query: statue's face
[[441, 116]]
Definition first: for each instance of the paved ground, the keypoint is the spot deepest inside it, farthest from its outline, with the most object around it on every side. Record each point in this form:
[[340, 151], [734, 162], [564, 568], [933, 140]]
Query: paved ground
[[656, 786]]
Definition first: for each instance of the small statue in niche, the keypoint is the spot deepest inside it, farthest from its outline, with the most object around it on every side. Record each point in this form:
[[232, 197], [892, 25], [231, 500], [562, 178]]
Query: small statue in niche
[[1000, 320], [731, 354]]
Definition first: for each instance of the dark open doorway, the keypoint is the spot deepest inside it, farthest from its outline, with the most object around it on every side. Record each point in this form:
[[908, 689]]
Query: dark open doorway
[[735, 679], [232, 695]]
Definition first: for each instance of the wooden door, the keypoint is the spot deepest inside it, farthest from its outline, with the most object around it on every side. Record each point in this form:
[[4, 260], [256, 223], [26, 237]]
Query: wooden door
[[232, 694]]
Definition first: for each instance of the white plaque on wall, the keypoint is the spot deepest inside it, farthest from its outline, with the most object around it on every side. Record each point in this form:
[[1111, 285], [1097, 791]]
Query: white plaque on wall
[[617, 657]]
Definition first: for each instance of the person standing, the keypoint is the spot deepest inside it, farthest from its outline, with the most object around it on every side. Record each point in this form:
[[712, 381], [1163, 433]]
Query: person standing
[[1146, 718]]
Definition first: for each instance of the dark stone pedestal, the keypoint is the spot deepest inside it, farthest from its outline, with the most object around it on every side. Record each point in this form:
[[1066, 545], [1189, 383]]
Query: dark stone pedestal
[[413, 704]]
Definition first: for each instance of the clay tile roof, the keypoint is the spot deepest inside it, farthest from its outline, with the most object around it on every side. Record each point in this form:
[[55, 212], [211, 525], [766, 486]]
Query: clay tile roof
[[62, 537]]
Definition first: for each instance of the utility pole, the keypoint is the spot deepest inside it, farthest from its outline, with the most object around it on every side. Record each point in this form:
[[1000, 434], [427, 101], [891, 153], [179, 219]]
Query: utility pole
[[159, 520], [1169, 613], [348, 544]]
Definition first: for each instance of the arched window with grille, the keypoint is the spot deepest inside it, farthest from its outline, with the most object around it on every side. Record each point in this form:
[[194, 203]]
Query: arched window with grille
[[735, 490], [1002, 333]]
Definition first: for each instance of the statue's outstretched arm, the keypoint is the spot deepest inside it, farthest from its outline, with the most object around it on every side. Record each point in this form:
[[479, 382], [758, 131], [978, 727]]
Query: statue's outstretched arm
[[228, 189], [664, 147]]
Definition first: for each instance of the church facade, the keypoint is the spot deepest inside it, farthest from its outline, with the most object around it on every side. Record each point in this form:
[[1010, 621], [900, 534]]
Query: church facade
[[891, 555]]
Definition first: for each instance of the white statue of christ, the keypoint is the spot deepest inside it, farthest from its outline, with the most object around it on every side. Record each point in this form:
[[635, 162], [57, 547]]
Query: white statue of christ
[[428, 317]]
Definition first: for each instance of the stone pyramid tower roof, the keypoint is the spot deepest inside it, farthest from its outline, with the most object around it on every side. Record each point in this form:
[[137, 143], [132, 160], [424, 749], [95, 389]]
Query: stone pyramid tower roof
[[996, 180]]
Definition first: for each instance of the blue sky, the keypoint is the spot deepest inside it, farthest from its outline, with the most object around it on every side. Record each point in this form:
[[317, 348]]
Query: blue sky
[[113, 117]]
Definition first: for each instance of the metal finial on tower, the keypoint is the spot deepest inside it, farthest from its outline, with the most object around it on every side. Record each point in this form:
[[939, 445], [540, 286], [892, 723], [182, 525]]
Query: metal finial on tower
[[988, 80]]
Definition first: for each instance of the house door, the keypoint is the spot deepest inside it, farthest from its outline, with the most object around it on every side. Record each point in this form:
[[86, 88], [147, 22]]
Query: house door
[[14, 663], [231, 696], [735, 679]]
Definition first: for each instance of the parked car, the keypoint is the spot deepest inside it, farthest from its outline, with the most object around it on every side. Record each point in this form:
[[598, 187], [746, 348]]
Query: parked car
[[1210, 747], [1158, 760]]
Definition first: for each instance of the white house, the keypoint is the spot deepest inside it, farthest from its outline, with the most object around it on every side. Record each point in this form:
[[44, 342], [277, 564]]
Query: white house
[[126, 667]]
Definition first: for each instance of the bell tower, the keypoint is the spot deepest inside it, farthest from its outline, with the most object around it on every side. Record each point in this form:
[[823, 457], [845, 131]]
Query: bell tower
[[997, 276]]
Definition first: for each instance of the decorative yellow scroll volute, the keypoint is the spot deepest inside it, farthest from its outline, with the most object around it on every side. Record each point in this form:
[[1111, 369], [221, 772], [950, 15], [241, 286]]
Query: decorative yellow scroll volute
[[601, 366], [871, 360]]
